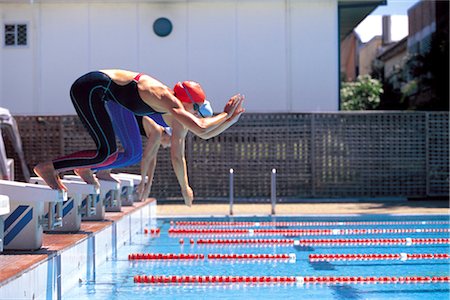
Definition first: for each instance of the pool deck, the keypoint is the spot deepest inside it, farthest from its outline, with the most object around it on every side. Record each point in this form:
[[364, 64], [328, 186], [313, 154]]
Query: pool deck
[[13, 263], [321, 208]]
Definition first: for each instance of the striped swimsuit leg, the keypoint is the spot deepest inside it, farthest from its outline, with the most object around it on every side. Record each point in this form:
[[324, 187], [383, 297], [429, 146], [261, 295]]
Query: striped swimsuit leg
[[127, 130], [88, 97]]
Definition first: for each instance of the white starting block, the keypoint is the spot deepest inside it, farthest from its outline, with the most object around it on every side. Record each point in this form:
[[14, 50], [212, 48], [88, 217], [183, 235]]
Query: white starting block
[[4, 210], [109, 191], [73, 209], [109, 195], [136, 180], [25, 223], [126, 189]]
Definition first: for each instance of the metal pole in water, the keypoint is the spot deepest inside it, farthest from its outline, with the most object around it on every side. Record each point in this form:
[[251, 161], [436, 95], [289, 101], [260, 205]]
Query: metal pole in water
[[273, 189], [231, 191]]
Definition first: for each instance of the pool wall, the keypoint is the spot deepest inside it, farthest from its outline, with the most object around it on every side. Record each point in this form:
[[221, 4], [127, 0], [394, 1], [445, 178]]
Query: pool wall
[[62, 270]]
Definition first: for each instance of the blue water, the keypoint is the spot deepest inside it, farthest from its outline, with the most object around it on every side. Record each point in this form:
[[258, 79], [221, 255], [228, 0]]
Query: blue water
[[114, 279]]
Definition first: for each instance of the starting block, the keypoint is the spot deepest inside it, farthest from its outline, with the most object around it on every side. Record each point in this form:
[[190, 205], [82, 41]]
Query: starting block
[[25, 223], [108, 199], [73, 209], [136, 180], [4, 210], [126, 189], [109, 191]]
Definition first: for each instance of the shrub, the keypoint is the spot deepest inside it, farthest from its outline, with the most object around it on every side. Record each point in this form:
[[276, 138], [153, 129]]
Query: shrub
[[363, 94]]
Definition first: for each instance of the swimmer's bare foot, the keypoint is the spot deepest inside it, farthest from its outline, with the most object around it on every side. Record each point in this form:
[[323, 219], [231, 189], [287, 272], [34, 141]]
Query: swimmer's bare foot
[[48, 173], [188, 195], [106, 175], [88, 176], [140, 190]]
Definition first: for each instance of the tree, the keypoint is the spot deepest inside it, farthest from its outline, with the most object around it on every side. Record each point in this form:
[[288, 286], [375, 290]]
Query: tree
[[428, 76]]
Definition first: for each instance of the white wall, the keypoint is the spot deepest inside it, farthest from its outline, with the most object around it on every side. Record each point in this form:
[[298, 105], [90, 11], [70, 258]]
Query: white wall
[[262, 56], [64, 54], [314, 52], [19, 89], [164, 58], [282, 54], [212, 50]]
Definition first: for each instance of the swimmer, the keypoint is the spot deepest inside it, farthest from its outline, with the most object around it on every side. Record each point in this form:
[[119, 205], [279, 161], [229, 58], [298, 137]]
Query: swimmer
[[159, 134], [142, 95]]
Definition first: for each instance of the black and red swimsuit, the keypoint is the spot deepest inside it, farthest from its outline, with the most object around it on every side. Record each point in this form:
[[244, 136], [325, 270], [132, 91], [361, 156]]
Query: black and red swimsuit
[[90, 93]]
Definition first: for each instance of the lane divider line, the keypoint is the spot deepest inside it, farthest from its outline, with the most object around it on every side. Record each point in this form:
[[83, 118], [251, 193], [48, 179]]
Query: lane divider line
[[174, 232], [211, 256], [280, 223], [172, 279], [318, 242], [377, 256]]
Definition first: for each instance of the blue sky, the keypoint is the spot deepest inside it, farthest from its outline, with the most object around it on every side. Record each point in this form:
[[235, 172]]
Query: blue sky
[[394, 7], [398, 9]]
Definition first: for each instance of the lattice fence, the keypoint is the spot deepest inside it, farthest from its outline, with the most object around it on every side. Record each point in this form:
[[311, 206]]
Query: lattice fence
[[369, 154], [437, 154], [322, 155]]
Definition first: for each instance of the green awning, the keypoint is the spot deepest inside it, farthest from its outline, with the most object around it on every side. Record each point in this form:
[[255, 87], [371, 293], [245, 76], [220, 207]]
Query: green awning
[[352, 12]]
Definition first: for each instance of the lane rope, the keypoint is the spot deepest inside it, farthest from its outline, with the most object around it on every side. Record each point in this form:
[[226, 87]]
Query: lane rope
[[172, 279], [377, 256], [319, 242], [176, 232], [211, 256], [290, 224]]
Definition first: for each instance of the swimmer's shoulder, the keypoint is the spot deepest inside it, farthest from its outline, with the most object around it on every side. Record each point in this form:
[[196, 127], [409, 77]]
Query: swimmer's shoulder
[[119, 75]]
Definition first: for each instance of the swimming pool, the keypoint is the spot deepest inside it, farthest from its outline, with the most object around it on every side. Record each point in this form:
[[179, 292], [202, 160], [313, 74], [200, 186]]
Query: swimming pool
[[345, 257]]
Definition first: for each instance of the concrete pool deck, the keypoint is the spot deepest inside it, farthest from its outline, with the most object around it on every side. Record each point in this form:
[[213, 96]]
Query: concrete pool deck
[[66, 259], [317, 208]]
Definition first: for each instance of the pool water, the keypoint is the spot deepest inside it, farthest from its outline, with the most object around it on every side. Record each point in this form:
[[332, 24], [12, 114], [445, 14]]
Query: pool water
[[115, 278]]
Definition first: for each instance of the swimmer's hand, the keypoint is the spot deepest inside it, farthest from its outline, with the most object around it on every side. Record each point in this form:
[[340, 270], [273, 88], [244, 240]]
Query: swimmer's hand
[[233, 104], [237, 113], [239, 110], [188, 196]]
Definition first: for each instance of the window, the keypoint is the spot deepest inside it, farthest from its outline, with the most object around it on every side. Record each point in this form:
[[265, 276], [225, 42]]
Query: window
[[162, 27], [16, 35]]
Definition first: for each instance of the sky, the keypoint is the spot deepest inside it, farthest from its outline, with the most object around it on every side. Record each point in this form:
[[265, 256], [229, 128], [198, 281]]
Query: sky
[[397, 9]]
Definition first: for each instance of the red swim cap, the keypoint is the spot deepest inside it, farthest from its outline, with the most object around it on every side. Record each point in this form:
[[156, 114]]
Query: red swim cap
[[189, 91]]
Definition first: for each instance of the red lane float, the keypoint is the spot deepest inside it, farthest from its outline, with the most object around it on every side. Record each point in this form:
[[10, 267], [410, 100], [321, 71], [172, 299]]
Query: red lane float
[[246, 241], [174, 279], [152, 231], [335, 223], [251, 256], [204, 231], [163, 256], [318, 242], [171, 256], [377, 256], [299, 232]]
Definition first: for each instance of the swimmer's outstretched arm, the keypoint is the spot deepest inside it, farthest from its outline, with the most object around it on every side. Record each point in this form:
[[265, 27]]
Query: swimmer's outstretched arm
[[196, 125]]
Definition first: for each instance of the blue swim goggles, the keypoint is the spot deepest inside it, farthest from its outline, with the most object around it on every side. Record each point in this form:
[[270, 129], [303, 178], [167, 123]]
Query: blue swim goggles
[[204, 110]]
